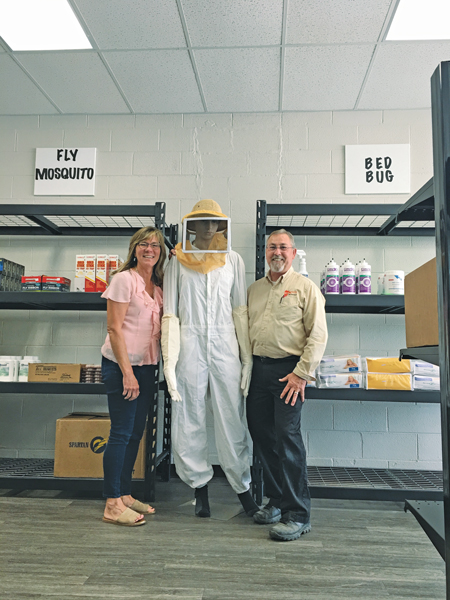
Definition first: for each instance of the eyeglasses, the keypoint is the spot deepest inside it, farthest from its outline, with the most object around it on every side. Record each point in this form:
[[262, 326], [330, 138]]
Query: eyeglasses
[[282, 247], [145, 245]]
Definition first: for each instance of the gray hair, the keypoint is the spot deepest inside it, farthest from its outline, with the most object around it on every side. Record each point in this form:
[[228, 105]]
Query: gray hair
[[284, 232]]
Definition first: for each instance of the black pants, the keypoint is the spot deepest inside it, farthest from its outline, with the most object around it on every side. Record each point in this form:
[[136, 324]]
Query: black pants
[[277, 439]]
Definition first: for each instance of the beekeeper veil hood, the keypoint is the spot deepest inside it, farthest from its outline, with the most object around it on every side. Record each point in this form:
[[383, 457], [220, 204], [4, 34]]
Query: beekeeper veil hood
[[206, 238]]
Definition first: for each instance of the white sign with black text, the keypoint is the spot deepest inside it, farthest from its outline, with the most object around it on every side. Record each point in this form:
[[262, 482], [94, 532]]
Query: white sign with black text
[[65, 172], [377, 169]]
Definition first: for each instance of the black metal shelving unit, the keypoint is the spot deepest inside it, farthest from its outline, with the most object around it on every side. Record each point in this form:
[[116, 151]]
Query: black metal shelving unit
[[80, 220], [414, 218]]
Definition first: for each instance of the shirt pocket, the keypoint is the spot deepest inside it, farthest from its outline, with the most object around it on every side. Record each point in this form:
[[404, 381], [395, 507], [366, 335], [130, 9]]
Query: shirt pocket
[[289, 310]]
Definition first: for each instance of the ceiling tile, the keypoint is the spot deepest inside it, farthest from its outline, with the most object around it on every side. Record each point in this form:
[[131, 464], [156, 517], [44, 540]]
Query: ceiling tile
[[324, 77], [239, 79], [233, 22], [335, 21], [134, 24], [18, 94], [77, 82], [400, 75], [161, 81]]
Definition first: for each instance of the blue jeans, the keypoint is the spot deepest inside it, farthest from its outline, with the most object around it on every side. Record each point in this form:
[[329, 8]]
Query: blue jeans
[[127, 425]]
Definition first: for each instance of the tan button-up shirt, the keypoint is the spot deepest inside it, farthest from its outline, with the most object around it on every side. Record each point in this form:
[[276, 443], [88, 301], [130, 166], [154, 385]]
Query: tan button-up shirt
[[287, 317]]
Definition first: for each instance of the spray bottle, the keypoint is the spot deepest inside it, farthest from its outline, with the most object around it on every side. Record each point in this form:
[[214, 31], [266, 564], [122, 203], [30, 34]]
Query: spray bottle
[[302, 269]]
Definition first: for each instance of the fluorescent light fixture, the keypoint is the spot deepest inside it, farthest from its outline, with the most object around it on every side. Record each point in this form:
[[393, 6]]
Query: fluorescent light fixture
[[421, 20], [41, 25]]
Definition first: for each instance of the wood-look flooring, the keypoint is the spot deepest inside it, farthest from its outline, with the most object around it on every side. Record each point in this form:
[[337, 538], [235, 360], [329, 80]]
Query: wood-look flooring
[[54, 547]]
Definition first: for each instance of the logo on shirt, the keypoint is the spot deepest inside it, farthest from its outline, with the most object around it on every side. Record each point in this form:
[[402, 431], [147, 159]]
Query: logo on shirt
[[287, 293]]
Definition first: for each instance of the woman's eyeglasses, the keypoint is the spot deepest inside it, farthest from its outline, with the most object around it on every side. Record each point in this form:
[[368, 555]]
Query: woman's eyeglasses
[[145, 245]]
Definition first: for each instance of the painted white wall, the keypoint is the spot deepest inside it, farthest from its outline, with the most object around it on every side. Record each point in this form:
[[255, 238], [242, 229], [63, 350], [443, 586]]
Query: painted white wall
[[234, 159]]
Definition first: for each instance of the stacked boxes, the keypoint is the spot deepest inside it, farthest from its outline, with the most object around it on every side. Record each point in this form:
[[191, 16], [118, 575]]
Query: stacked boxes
[[340, 372], [388, 373], [92, 271], [45, 283], [10, 275]]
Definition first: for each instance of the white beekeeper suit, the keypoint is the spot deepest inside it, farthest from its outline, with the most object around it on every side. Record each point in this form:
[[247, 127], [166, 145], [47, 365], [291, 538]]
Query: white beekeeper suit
[[204, 330]]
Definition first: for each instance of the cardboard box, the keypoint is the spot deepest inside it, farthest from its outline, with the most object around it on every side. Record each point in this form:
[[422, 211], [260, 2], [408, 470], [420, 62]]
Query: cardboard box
[[114, 263], [80, 442], [91, 268], [31, 283], [55, 284], [421, 307], [54, 372], [102, 273], [80, 273]]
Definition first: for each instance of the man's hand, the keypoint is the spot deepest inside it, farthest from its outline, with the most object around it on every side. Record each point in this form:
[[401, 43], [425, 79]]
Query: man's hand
[[246, 376], [171, 381], [295, 387]]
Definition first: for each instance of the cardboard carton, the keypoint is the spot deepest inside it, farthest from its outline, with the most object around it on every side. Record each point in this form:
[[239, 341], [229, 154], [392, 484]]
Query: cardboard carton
[[91, 268], [421, 307], [31, 283], [80, 442], [54, 372], [102, 273], [55, 284], [80, 273]]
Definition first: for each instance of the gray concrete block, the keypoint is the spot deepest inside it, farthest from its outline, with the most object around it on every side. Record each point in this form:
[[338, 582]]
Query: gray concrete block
[[389, 446]]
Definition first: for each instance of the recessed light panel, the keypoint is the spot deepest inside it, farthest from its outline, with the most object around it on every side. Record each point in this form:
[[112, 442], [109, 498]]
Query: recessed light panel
[[41, 25], [421, 20]]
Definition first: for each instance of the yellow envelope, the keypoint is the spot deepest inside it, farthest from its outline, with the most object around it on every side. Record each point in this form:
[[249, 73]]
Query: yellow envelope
[[389, 381], [388, 365]]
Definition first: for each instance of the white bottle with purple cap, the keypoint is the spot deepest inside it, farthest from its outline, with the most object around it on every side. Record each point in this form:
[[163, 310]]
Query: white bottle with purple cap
[[332, 278]]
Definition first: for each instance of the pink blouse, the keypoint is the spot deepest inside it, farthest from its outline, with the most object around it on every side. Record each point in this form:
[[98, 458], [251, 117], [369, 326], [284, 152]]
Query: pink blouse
[[142, 323]]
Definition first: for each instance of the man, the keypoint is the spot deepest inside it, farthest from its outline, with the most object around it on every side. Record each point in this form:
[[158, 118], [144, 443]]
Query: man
[[207, 354], [288, 335]]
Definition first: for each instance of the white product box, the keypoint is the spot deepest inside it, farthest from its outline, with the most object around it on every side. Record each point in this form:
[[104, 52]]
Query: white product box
[[80, 273], [426, 384], [340, 380], [91, 268], [114, 262], [339, 364], [102, 273], [420, 367]]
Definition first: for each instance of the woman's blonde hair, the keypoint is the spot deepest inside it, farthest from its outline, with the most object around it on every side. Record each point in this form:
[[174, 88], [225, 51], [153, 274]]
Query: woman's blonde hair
[[141, 236]]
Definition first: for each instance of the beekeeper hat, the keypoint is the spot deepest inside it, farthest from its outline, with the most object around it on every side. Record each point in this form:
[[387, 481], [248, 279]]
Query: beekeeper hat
[[208, 209]]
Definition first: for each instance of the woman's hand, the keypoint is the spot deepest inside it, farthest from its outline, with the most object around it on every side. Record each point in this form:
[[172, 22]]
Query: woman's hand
[[130, 386]]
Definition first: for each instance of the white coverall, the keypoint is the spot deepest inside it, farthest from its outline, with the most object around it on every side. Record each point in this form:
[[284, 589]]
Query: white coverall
[[208, 371]]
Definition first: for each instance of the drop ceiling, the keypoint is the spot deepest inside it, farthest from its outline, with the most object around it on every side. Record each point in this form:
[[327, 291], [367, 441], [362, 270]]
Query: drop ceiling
[[210, 56]]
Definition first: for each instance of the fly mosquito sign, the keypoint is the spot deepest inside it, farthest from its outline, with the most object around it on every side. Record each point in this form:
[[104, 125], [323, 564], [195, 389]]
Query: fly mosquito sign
[[377, 169], [65, 172]]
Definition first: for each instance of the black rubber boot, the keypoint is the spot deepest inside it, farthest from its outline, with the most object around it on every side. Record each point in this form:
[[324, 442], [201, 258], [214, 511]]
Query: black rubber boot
[[201, 502], [248, 503]]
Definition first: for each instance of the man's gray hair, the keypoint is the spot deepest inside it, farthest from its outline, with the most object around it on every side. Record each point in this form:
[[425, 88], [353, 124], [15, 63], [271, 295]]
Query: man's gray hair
[[282, 231]]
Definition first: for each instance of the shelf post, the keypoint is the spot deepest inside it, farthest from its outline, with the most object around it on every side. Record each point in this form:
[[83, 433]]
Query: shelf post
[[261, 224], [440, 109]]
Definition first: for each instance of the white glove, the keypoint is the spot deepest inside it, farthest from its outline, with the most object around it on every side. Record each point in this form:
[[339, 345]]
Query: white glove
[[170, 346], [240, 318], [246, 378], [171, 381]]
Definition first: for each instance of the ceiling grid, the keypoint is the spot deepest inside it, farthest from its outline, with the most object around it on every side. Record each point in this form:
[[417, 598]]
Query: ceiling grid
[[221, 56]]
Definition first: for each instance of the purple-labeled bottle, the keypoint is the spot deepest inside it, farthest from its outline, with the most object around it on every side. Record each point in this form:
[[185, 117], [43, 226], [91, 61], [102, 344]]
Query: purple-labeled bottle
[[365, 278], [332, 278], [348, 278]]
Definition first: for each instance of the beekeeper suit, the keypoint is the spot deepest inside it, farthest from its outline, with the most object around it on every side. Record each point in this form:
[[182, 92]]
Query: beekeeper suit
[[207, 354]]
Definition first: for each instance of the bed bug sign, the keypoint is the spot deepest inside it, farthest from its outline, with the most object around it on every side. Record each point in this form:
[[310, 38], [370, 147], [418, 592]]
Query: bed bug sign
[[377, 169]]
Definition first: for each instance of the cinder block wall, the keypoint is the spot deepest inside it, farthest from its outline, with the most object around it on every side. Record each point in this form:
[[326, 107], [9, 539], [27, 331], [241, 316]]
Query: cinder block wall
[[235, 159]]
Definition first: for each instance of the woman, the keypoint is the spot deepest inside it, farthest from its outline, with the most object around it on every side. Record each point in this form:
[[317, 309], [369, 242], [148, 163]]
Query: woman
[[130, 356]]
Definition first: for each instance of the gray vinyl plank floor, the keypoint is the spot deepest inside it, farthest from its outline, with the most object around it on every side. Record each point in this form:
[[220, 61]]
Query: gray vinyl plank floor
[[57, 548]]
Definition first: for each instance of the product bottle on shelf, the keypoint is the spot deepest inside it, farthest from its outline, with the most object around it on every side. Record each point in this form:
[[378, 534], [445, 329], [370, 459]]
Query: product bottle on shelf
[[365, 278], [348, 278], [332, 278], [357, 272], [302, 269]]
